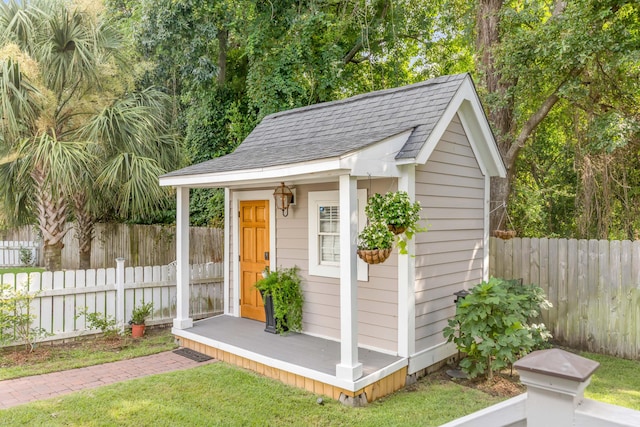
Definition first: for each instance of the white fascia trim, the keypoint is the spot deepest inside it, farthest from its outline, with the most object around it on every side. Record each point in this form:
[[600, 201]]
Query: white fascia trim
[[224, 179], [377, 159], [431, 356], [295, 369], [467, 104], [237, 197], [485, 153]]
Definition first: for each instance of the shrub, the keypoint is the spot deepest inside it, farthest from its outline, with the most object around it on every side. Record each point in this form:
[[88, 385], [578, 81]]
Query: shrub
[[26, 256], [492, 325], [107, 324], [284, 287], [16, 319]]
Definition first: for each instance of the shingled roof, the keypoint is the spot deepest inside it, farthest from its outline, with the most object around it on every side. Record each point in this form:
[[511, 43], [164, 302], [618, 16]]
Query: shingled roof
[[333, 129]]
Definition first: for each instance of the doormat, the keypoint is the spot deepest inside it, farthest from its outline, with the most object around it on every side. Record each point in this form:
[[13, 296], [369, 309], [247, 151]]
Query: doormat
[[192, 354]]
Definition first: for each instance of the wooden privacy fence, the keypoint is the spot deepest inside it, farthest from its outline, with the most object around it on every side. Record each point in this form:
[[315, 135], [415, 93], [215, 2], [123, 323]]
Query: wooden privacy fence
[[139, 244], [594, 286], [62, 295]]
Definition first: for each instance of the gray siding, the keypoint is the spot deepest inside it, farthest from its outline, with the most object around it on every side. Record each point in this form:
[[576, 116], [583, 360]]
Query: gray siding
[[449, 256], [377, 298]]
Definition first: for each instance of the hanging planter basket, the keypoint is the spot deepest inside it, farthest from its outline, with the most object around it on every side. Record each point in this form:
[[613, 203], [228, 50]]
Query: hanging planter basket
[[396, 229], [504, 234], [374, 256]]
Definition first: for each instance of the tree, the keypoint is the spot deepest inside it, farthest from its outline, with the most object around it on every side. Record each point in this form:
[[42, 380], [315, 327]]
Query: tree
[[533, 57], [65, 126]]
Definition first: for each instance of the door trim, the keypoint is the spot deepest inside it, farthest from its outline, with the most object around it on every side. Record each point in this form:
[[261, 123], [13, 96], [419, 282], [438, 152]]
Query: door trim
[[238, 196]]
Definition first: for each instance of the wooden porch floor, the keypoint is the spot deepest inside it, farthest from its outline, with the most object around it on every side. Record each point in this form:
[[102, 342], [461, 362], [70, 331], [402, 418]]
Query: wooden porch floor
[[302, 355]]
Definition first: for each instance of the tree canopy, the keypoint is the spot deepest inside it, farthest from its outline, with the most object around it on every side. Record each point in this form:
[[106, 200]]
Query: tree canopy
[[559, 81]]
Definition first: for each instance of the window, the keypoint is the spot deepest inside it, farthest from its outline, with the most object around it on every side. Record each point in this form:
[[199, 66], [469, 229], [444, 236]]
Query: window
[[324, 233], [329, 234]]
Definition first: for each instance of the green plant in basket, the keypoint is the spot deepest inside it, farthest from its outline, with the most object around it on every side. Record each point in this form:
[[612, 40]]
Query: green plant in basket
[[398, 212], [375, 235]]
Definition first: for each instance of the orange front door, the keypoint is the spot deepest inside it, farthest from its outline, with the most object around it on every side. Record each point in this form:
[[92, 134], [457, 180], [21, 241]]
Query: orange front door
[[254, 255]]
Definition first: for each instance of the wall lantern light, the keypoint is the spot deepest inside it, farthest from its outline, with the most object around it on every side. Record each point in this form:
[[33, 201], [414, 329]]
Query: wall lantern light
[[283, 197]]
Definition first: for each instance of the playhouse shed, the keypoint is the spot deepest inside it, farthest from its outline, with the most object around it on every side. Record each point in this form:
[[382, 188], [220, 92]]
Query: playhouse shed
[[367, 329]]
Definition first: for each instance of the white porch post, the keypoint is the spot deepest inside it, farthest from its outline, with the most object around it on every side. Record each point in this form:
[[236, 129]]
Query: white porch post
[[406, 278], [349, 368], [182, 320]]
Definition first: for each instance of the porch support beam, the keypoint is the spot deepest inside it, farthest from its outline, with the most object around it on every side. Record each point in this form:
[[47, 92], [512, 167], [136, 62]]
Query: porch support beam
[[349, 368], [182, 320], [406, 277]]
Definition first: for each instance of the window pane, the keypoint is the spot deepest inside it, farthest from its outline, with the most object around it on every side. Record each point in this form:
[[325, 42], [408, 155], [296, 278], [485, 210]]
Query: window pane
[[329, 219], [330, 248]]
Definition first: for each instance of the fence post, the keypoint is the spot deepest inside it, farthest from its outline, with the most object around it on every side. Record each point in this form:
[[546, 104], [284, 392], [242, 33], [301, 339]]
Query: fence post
[[555, 381], [120, 293]]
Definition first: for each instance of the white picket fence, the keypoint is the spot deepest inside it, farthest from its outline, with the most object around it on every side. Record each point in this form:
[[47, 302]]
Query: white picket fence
[[61, 295], [10, 252]]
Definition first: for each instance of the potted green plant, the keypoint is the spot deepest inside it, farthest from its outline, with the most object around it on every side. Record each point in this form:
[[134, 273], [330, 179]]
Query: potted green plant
[[398, 212], [375, 243], [138, 317], [282, 296]]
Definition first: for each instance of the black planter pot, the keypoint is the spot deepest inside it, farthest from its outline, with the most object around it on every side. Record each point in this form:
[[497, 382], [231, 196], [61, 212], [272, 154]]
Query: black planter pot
[[270, 320]]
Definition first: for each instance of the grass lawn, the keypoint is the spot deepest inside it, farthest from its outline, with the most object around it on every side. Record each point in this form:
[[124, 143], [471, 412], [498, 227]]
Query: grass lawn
[[15, 363], [221, 394], [616, 381], [16, 270]]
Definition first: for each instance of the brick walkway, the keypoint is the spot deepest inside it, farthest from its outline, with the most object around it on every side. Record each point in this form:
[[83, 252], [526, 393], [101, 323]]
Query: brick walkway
[[39, 387]]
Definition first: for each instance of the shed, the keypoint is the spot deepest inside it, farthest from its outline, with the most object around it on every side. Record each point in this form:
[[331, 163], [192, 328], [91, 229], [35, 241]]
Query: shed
[[367, 329]]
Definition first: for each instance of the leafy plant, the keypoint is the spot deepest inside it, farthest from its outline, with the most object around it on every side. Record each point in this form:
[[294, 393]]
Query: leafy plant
[[16, 319], [26, 256], [375, 235], [396, 210], [492, 325], [283, 285], [140, 313], [96, 320]]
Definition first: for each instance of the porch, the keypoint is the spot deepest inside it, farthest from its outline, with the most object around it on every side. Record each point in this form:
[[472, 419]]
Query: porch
[[296, 359]]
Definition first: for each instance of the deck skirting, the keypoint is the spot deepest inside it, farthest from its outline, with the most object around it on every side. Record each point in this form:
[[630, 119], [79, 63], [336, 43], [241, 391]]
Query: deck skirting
[[380, 388]]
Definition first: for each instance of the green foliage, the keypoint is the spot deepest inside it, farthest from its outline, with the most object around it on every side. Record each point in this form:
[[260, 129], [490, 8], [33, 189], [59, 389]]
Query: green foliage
[[396, 211], [16, 319], [375, 235], [140, 313], [95, 320], [492, 325], [283, 285], [26, 256]]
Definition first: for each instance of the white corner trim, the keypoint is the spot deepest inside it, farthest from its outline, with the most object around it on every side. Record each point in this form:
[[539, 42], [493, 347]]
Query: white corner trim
[[487, 214], [406, 277], [226, 261]]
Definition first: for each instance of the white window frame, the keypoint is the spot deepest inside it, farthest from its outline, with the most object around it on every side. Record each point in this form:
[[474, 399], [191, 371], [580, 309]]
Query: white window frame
[[331, 198]]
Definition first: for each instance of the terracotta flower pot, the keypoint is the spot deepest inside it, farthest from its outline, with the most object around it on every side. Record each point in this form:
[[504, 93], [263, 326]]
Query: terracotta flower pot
[[137, 331]]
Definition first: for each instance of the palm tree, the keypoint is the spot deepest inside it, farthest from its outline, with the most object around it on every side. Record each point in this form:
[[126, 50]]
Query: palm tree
[[134, 143], [72, 137]]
